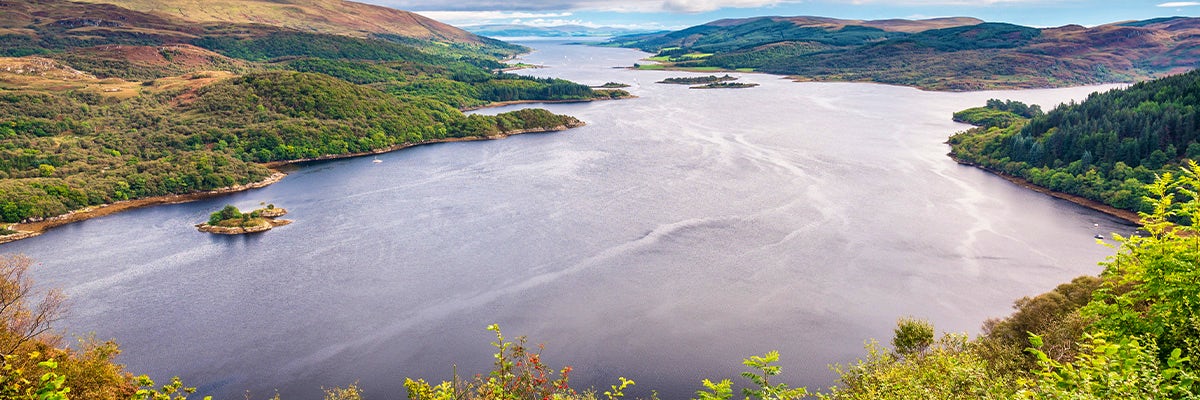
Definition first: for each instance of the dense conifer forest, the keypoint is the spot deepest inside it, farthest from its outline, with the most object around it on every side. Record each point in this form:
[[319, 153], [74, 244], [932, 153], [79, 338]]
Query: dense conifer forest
[[1105, 148]]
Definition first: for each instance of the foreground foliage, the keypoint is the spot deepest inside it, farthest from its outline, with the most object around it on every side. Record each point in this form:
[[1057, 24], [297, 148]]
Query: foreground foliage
[[1131, 334]]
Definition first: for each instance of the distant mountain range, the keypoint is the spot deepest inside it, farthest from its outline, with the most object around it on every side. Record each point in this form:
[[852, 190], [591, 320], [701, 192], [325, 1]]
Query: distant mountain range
[[517, 30], [938, 54]]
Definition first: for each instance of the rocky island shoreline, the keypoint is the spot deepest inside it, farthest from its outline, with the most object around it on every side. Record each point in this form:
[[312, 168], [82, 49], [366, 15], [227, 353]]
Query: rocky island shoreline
[[260, 220]]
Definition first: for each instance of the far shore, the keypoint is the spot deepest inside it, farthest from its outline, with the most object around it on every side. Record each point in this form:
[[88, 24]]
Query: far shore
[[823, 79], [1128, 216], [31, 229]]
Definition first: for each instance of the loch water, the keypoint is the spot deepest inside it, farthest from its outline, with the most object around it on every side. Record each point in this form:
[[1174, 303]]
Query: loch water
[[674, 235]]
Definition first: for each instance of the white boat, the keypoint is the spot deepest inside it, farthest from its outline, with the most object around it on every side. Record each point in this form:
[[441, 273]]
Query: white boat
[[377, 160]]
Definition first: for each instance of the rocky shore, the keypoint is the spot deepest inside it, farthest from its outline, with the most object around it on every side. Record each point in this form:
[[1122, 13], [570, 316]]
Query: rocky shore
[[266, 221], [575, 124], [1126, 215], [30, 229], [515, 102]]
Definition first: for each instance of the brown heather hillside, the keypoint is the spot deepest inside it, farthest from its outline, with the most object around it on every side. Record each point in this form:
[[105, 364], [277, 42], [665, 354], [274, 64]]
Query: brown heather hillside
[[326, 16], [149, 62], [18, 14], [81, 21], [12, 68]]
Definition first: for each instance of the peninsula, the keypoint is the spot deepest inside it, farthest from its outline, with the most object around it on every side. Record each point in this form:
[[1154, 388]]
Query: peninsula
[[152, 109], [1105, 149]]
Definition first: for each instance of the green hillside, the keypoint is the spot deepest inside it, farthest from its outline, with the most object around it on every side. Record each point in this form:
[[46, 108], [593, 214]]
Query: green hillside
[[959, 54], [101, 104], [724, 38]]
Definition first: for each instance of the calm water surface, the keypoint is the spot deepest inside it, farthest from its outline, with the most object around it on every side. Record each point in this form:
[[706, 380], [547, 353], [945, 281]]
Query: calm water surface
[[672, 236]]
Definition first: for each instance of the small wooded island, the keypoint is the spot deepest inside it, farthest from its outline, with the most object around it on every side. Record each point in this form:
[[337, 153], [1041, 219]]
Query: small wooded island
[[698, 80], [709, 82], [232, 221], [725, 85], [611, 85]]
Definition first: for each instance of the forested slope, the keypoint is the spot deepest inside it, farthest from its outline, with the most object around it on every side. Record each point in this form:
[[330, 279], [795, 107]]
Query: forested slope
[[1105, 148]]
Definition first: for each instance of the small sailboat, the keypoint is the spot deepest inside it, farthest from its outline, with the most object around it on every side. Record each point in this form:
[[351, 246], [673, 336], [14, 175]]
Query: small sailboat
[[376, 160]]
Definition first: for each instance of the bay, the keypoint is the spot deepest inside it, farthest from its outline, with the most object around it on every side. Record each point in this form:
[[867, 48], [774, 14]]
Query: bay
[[672, 236]]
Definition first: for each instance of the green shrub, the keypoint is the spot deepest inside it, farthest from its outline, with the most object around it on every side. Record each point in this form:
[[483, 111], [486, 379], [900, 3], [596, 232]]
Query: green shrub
[[912, 336], [227, 213]]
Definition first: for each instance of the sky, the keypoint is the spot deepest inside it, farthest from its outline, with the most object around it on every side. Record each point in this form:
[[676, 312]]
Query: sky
[[678, 14]]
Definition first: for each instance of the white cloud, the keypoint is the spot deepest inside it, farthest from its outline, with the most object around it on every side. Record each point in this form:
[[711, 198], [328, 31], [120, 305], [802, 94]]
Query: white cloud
[[1180, 4], [695, 6]]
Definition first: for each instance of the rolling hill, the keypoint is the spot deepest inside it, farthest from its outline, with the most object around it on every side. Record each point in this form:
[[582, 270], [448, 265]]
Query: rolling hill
[[938, 54]]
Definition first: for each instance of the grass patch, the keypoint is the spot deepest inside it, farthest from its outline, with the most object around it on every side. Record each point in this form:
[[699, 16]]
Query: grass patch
[[682, 57]]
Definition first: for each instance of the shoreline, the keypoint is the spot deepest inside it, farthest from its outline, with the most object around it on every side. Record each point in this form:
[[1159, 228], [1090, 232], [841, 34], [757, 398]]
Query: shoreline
[[32, 229], [496, 104], [402, 146], [1126, 215], [269, 221]]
